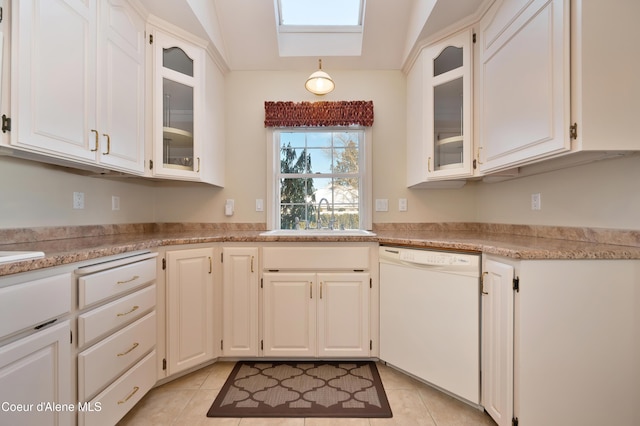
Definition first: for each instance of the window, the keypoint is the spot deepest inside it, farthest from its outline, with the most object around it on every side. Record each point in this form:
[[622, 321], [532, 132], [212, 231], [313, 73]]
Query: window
[[320, 179], [326, 12]]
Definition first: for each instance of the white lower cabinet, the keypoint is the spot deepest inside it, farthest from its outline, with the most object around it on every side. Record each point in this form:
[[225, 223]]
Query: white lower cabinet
[[108, 407], [316, 301], [308, 314], [564, 341], [35, 376], [240, 301], [190, 305], [35, 349], [497, 341], [116, 335]]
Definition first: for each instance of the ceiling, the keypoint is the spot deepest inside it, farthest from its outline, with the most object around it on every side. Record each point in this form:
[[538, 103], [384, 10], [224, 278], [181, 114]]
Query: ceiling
[[244, 32]]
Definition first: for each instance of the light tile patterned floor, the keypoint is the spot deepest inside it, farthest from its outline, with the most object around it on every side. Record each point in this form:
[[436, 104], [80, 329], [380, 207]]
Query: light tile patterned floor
[[185, 401]]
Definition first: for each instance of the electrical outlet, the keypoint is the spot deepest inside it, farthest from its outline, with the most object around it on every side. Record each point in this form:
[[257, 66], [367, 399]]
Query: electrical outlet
[[536, 201], [115, 202], [78, 200], [402, 204], [259, 205]]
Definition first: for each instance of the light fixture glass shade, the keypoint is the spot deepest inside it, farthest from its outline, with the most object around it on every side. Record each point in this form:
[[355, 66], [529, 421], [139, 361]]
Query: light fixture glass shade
[[320, 83]]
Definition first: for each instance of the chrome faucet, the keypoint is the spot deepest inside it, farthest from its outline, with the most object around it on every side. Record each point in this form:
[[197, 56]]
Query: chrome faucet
[[318, 218]]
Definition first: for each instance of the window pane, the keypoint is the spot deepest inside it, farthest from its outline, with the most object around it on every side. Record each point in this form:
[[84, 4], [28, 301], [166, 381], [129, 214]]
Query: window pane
[[293, 160], [319, 140], [327, 12], [319, 160], [330, 201], [296, 140]]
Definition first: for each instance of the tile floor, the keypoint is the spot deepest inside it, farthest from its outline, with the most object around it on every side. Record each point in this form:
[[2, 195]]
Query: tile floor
[[185, 401]]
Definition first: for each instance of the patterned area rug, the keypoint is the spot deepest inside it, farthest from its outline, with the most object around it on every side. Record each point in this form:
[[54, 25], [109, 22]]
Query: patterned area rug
[[302, 389]]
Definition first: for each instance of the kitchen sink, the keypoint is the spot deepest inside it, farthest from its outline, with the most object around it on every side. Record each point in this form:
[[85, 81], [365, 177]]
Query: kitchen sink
[[15, 256], [319, 233]]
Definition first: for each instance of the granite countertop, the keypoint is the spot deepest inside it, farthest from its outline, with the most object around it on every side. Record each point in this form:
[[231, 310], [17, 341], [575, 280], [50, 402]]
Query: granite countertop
[[464, 238]]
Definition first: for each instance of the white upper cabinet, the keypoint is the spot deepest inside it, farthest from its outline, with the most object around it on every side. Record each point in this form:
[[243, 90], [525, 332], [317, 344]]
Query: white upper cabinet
[[605, 88], [121, 87], [77, 81], [523, 83], [439, 88], [187, 124]]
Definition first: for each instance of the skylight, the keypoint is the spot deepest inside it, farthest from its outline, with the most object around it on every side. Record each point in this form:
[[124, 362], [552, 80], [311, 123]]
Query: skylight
[[320, 27], [320, 12]]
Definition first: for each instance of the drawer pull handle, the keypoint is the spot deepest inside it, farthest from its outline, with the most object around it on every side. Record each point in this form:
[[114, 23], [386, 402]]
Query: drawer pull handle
[[135, 345], [320, 289], [135, 277], [135, 307], [251, 264], [135, 389], [310, 290]]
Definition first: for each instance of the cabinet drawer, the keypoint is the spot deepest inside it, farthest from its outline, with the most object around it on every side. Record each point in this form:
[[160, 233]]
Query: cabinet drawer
[[115, 401], [103, 285], [34, 302], [104, 361], [99, 321], [316, 258]]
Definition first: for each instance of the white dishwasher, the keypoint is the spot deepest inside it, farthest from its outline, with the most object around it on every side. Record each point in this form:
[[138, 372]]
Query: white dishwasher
[[430, 317]]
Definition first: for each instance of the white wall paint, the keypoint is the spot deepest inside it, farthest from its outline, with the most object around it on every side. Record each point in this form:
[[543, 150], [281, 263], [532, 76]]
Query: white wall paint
[[603, 194], [33, 194]]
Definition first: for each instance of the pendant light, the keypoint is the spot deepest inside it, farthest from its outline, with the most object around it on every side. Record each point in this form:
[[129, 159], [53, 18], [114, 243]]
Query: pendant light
[[319, 83]]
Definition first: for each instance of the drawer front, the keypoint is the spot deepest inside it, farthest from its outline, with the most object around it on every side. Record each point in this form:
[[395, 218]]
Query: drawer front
[[103, 362], [102, 320], [34, 302], [315, 258], [103, 285], [115, 401]]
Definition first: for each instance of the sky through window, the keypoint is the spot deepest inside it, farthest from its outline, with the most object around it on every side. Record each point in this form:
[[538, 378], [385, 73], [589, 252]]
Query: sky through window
[[320, 12]]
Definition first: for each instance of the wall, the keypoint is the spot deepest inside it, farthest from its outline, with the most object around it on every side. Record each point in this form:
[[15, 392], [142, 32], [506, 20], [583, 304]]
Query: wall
[[34, 194], [246, 147], [603, 194]]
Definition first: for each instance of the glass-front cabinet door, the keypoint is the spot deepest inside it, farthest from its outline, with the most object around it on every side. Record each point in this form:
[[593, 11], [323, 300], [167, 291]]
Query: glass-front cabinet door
[[448, 105], [177, 105]]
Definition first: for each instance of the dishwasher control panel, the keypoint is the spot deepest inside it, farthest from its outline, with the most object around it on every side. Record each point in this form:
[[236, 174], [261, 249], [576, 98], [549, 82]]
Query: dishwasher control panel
[[429, 257]]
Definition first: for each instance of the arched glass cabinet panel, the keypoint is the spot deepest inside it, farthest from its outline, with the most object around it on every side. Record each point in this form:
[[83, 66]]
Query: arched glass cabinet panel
[[177, 109], [448, 85], [450, 59]]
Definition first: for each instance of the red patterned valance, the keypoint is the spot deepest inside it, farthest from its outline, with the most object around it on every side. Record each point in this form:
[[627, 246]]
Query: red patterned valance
[[323, 113]]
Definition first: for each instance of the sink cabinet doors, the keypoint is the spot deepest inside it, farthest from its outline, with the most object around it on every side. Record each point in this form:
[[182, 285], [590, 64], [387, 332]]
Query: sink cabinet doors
[[310, 314]]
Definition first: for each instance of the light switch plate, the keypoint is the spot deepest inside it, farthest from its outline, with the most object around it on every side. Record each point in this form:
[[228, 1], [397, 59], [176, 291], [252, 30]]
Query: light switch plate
[[382, 205], [259, 205]]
